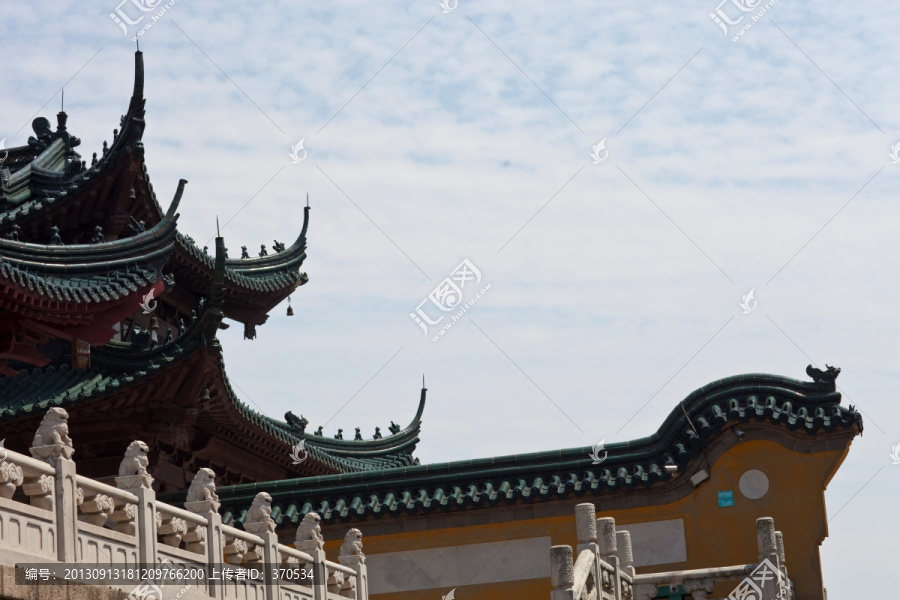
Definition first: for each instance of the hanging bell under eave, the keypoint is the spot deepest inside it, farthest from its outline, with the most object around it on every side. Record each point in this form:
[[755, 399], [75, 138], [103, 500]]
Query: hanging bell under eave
[[290, 310]]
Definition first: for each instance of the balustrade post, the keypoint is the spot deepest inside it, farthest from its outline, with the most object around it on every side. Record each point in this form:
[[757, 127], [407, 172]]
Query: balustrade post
[[586, 531], [146, 525], [606, 528], [782, 563], [215, 554], [320, 574], [623, 550], [562, 573], [271, 560], [774, 586], [362, 582], [66, 511]]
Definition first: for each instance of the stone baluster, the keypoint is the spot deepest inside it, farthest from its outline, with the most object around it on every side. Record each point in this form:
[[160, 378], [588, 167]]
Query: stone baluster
[[195, 539], [335, 581], [362, 581], [124, 518], [39, 490], [214, 550], [234, 549], [147, 523], [699, 589], [606, 528], [645, 591], [66, 511], [96, 508], [271, 560], [765, 539], [626, 558], [773, 586], [320, 574], [626, 562], [562, 573], [779, 548], [173, 530], [586, 533], [11, 477]]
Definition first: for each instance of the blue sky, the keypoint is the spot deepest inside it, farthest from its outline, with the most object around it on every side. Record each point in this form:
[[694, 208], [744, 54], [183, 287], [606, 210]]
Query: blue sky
[[431, 138]]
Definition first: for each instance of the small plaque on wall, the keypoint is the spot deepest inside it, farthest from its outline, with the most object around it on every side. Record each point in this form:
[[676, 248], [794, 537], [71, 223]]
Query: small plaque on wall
[[726, 499]]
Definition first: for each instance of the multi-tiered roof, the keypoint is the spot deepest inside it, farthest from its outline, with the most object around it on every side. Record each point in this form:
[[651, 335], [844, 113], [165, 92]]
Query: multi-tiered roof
[[108, 310]]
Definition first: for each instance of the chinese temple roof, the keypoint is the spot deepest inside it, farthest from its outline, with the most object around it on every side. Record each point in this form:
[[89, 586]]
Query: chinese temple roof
[[48, 195], [129, 377], [92, 271], [772, 401]]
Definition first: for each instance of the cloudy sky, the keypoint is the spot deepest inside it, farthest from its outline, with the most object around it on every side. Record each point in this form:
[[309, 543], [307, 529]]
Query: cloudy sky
[[432, 137]]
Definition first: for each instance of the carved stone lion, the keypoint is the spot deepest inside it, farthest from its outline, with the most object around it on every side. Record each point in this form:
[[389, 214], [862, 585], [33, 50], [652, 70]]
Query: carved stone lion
[[203, 487], [258, 517], [135, 461], [352, 545], [309, 533], [54, 429]]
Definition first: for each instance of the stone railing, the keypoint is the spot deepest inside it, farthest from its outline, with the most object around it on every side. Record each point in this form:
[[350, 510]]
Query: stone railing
[[597, 572], [608, 559], [50, 515], [766, 580]]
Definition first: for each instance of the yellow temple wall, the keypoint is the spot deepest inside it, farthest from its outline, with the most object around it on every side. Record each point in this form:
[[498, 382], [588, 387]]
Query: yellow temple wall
[[433, 558]]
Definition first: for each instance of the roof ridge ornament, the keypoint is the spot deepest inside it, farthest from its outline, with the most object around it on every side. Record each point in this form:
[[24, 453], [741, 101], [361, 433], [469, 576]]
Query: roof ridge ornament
[[824, 380]]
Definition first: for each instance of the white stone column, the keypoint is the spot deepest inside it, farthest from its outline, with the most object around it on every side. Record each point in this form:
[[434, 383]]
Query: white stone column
[[214, 552], [626, 558], [66, 511], [271, 560], [606, 534], [146, 525], [320, 574], [765, 539], [772, 586], [362, 582], [562, 573]]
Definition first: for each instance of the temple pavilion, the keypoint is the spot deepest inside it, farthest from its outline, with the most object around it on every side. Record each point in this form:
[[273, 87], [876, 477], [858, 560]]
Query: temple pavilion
[[108, 310]]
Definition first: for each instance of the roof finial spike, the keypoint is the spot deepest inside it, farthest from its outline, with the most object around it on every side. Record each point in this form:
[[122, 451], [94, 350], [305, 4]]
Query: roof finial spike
[[307, 199], [62, 100], [217, 227], [138, 42], [423, 381]]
